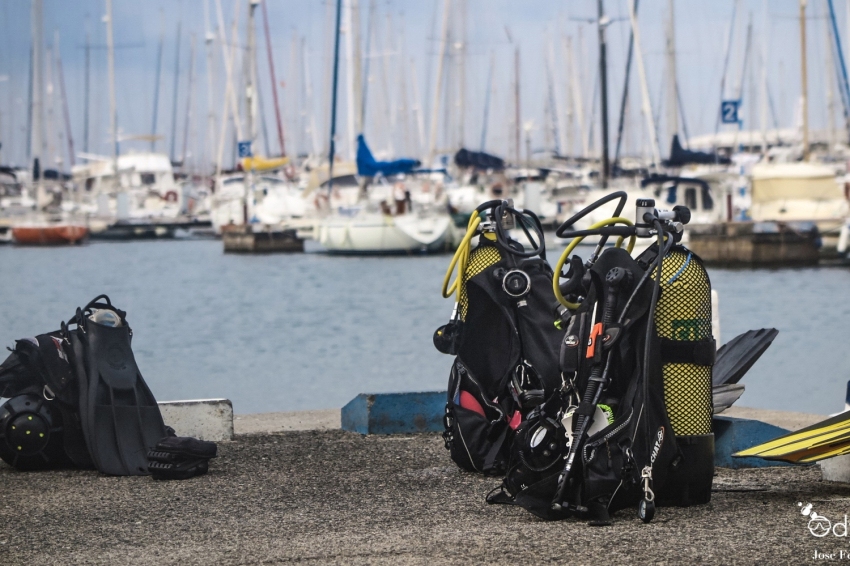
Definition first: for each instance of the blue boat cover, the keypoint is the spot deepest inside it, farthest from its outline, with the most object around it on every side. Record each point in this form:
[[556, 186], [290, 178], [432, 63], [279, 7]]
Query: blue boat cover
[[367, 166]]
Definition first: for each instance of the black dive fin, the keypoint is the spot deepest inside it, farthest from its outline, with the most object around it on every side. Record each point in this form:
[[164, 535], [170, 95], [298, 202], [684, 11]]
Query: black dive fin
[[724, 396], [738, 355], [120, 418]]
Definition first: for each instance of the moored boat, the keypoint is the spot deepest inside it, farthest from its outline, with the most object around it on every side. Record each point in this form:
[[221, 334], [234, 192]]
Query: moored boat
[[365, 232], [50, 234]]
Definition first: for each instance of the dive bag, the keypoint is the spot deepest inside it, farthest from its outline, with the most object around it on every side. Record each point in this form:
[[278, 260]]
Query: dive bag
[[502, 336], [56, 415], [39, 378]]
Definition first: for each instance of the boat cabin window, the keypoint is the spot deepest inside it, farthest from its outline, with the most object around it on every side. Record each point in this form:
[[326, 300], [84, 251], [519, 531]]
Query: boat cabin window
[[707, 201], [691, 198], [148, 178]]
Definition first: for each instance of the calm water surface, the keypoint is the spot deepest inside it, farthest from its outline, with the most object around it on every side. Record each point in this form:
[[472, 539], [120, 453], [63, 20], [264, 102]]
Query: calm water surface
[[309, 331]]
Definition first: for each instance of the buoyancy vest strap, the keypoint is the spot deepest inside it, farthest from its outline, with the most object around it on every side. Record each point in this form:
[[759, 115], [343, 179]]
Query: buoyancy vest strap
[[490, 459], [701, 352]]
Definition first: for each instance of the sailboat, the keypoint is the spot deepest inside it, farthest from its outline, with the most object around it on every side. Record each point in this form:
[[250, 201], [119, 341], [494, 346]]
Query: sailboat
[[397, 211]]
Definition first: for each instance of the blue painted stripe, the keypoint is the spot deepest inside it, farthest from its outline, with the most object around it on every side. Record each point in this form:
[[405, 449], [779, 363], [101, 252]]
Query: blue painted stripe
[[732, 435], [395, 413]]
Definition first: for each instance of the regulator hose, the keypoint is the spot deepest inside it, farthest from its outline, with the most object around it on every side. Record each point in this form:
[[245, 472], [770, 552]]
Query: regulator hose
[[498, 208]]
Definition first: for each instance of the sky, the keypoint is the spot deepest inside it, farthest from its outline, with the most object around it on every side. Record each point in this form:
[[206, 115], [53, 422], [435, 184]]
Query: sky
[[404, 46]]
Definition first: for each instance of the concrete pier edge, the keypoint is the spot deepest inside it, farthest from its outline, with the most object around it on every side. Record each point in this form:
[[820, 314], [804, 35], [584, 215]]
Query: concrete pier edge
[[402, 413], [207, 419]]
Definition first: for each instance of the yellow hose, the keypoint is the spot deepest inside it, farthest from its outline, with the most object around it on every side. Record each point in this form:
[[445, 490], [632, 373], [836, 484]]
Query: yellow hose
[[460, 259], [556, 280]]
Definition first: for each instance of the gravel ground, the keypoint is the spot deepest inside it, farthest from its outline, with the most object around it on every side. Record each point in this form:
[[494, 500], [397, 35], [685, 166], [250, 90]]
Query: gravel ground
[[336, 497]]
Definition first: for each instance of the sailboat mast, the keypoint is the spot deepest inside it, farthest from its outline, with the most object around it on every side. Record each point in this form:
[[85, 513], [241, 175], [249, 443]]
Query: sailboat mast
[[308, 89], [274, 80], [417, 107], [370, 32], [435, 108], [569, 124], [61, 80], [558, 99], [176, 89], [729, 38], [334, 91], [625, 98], [517, 122], [461, 119], [52, 156], [764, 96], [156, 87], [844, 88], [37, 130], [404, 104], [327, 58], [113, 110], [250, 99], [487, 95], [552, 99], [296, 142], [603, 82], [349, 75], [804, 81], [189, 101], [672, 98], [209, 40], [86, 94], [389, 102], [829, 87], [577, 98], [646, 107], [229, 91]]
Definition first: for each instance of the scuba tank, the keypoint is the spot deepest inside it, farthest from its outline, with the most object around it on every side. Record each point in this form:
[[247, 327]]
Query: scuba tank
[[636, 355], [688, 349], [501, 334]]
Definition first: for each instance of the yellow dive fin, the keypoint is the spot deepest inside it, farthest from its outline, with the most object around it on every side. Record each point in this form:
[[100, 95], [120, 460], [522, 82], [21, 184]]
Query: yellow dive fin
[[828, 438]]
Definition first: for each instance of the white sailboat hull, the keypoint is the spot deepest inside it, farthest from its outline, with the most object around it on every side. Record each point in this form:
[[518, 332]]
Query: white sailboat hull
[[376, 233]]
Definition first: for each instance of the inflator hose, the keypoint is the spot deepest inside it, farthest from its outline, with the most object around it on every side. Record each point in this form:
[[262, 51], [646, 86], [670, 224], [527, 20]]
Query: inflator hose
[[460, 259], [556, 280]]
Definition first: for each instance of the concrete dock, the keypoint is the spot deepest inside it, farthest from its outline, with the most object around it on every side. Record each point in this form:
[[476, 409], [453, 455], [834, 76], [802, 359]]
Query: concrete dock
[[281, 494]]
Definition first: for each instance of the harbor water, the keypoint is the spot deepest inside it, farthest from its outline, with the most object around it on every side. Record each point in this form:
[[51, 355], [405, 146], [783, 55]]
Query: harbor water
[[310, 331]]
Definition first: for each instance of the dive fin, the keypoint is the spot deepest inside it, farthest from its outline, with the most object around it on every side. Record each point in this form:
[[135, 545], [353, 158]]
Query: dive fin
[[120, 418], [828, 438], [724, 396], [737, 356]]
